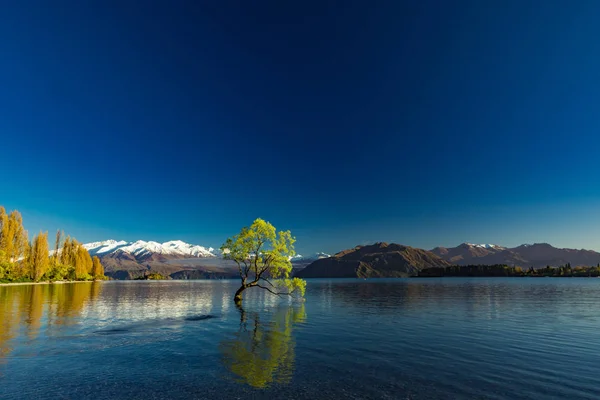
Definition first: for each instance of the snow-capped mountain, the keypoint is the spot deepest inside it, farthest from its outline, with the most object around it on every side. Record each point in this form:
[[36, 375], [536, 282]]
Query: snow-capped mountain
[[527, 255], [486, 246], [312, 257], [128, 260], [467, 253], [142, 248]]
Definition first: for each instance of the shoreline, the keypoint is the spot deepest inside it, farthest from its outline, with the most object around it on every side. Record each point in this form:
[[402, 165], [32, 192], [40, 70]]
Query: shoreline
[[45, 283]]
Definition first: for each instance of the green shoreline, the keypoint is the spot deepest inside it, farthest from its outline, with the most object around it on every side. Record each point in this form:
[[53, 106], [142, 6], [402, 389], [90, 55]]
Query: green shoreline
[[45, 283]]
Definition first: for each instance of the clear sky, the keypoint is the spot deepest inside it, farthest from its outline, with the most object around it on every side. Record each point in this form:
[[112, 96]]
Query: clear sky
[[424, 122]]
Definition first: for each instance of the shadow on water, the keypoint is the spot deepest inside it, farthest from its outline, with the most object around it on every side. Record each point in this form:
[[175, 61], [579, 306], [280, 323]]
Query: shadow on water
[[153, 324], [199, 317], [262, 352], [113, 331]]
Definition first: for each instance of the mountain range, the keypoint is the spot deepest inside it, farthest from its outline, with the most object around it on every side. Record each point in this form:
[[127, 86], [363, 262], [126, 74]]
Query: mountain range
[[181, 260], [142, 248], [378, 260], [395, 260], [536, 255], [178, 259]]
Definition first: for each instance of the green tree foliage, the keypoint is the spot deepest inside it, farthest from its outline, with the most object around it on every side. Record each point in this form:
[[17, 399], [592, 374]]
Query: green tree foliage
[[262, 353], [263, 258], [154, 276]]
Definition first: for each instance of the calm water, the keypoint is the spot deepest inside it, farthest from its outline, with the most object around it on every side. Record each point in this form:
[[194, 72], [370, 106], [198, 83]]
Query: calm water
[[395, 339]]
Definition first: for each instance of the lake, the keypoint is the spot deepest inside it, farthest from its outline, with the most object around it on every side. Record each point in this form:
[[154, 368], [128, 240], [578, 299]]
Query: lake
[[447, 338]]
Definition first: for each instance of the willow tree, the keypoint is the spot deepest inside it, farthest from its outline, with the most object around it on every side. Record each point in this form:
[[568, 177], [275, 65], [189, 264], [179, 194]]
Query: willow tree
[[262, 256]]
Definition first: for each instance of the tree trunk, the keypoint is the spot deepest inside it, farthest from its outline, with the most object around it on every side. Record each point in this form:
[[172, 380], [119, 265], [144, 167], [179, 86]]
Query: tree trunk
[[238, 295]]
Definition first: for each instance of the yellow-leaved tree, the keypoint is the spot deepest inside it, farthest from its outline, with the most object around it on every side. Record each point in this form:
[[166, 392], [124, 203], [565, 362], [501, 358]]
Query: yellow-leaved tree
[[39, 256], [13, 237], [97, 268], [263, 258], [83, 261]]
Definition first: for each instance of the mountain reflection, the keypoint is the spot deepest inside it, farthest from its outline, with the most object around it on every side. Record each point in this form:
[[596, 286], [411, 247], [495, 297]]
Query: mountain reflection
[[25, 309], [262, 351]]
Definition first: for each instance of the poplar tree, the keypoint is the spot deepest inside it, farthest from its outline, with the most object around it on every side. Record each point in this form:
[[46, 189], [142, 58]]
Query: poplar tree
[[3, 233], [55, 257], [8, 236], [21, 259], [81, 264], [66, 255], [89, 264], [97, 268], [39, 256], [19, 239], [24, 268], [13, 238]]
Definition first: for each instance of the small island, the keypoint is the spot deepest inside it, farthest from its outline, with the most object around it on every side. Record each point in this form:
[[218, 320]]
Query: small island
[[154, 276]]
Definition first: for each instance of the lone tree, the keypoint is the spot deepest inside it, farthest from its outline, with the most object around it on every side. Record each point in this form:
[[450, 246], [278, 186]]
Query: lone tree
[[263, 258]]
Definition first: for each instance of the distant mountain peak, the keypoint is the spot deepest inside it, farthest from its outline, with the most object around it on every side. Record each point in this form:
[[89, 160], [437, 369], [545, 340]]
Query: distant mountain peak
[[484, 245], [141, 248], [373, 261], [312, 257], [526, 255]]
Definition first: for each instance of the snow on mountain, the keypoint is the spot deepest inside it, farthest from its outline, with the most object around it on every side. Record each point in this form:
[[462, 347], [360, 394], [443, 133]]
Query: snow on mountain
[[107, 246], [486, 246], [312, 257], [143, 248], [319, 255], [185, 249]]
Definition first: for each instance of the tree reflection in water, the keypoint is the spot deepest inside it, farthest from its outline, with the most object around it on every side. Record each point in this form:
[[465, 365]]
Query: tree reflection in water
[[262, 352], [26, 305]]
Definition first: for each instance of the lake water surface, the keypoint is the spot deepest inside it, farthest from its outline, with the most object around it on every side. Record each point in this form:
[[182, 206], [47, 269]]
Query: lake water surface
[[452, 338]]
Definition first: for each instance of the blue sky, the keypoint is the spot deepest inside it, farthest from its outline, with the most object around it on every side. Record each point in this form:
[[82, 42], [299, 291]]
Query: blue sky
[[415, 122]]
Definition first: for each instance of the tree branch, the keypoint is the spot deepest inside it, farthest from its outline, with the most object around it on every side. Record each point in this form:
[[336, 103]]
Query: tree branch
[[259, 274], [240, 269], [256, 255], [267, 261], [268, 281], [269, 290], [246, 269]]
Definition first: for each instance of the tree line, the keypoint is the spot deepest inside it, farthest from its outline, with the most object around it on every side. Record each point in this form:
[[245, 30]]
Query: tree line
[[25, 261], [506, 270]]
